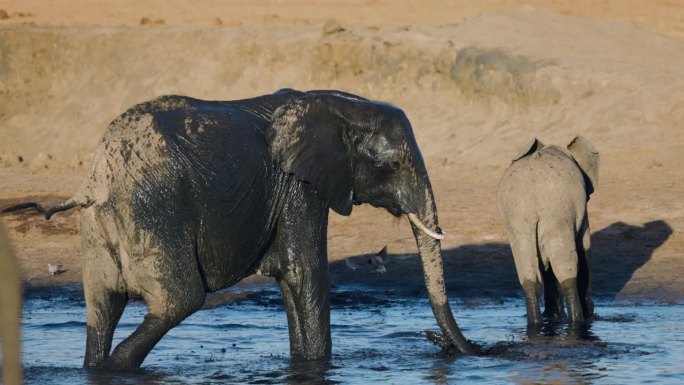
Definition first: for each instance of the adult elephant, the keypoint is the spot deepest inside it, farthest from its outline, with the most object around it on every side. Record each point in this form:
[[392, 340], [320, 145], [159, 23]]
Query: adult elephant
[[10, 313], [542, 198], [188, 196]]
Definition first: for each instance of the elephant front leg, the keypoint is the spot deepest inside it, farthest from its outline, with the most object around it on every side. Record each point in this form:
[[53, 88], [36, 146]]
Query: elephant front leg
[[303, 274], [308, 317]]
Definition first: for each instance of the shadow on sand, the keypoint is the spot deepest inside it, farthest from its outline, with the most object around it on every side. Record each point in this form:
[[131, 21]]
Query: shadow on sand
[[487, 270], [620, 249]]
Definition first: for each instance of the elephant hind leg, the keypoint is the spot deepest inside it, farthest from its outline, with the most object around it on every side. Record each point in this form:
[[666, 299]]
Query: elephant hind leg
[[132, 351], [553, 298], [173, 290], [560, 249], [105, 307], [525, 255], [573, 301], [103, 287], [584, 271]]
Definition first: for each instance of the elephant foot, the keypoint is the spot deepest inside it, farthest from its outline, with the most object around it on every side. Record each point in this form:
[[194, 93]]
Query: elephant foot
[[535, 331], [588, 308], [531, 290], [554, 312], [575, 313], [111, 365]]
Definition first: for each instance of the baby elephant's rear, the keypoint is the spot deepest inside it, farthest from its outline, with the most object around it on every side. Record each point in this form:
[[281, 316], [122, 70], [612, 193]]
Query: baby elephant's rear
[[543, 198]]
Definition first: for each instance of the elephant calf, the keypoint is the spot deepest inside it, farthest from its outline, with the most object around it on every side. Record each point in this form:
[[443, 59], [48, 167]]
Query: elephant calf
[[542, 198]]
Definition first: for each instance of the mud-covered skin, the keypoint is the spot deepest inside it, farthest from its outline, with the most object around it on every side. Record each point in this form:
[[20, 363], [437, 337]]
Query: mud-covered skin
[[10, 313], [187, 196], [542, 199]]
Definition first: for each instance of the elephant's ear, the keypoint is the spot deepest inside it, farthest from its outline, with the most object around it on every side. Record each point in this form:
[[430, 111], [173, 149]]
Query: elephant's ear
[[307, 138], [530, 148], [587, 158]]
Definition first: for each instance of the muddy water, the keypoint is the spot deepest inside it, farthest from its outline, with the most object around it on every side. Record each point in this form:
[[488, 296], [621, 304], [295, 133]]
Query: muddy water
[[376, 338]]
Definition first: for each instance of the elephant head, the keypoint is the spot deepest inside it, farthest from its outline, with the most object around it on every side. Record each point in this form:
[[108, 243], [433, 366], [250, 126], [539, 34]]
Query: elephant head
[[358, 151]]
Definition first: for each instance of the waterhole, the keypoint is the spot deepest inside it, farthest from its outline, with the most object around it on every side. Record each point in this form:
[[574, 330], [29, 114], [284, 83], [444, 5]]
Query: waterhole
[[378, 337]]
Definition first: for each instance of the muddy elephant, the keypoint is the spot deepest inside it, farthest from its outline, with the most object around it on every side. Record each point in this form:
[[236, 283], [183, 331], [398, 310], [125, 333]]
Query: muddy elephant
[[187, 196], [542, 199], [10, 313]]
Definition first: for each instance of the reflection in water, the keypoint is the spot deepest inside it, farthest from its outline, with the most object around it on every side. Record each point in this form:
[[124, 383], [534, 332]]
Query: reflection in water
[[141, 377], [309, 372], [562, 330], [441, 371], [569, 347], [556, 373]]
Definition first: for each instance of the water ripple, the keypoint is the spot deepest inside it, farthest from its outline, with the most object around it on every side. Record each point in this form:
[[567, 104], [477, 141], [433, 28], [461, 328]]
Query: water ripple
[[57, 325], [371, 343]]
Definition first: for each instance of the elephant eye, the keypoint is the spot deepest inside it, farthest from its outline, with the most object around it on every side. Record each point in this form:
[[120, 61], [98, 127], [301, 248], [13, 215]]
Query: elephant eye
[[387, 166], [391, 163]]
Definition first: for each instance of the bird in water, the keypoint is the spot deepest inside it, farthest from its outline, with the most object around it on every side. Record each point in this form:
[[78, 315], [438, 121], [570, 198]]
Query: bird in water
[[55, 269], [378, 261], [351, 265]]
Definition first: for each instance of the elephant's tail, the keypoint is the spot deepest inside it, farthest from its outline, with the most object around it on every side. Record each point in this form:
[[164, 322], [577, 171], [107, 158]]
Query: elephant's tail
[[76, 200]]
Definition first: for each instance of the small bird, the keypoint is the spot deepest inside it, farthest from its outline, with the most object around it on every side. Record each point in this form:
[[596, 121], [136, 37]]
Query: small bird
[[350, 264], [378, 261], [55, 269]]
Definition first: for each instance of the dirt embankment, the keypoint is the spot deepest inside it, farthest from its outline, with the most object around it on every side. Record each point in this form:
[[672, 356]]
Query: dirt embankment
[[475, 92]]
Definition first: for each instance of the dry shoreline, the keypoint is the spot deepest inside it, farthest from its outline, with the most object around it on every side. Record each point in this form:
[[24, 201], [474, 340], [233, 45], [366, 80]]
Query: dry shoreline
[[483, 270]]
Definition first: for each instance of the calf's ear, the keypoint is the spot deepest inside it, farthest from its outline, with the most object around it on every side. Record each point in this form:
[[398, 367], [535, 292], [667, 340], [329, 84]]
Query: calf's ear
[[530, 148], [587, 158]]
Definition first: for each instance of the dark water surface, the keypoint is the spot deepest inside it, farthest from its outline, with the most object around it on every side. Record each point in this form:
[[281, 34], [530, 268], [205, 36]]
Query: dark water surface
[[376, 339]]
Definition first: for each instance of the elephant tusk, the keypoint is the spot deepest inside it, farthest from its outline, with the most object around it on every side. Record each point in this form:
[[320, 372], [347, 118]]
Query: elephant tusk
[[414, 219]]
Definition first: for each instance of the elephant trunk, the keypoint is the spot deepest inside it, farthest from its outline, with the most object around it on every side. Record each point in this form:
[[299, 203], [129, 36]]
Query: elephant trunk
[[429, 248]]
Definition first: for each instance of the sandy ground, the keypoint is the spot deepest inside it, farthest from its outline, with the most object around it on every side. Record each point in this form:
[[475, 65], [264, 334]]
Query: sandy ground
[[477, 79]]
